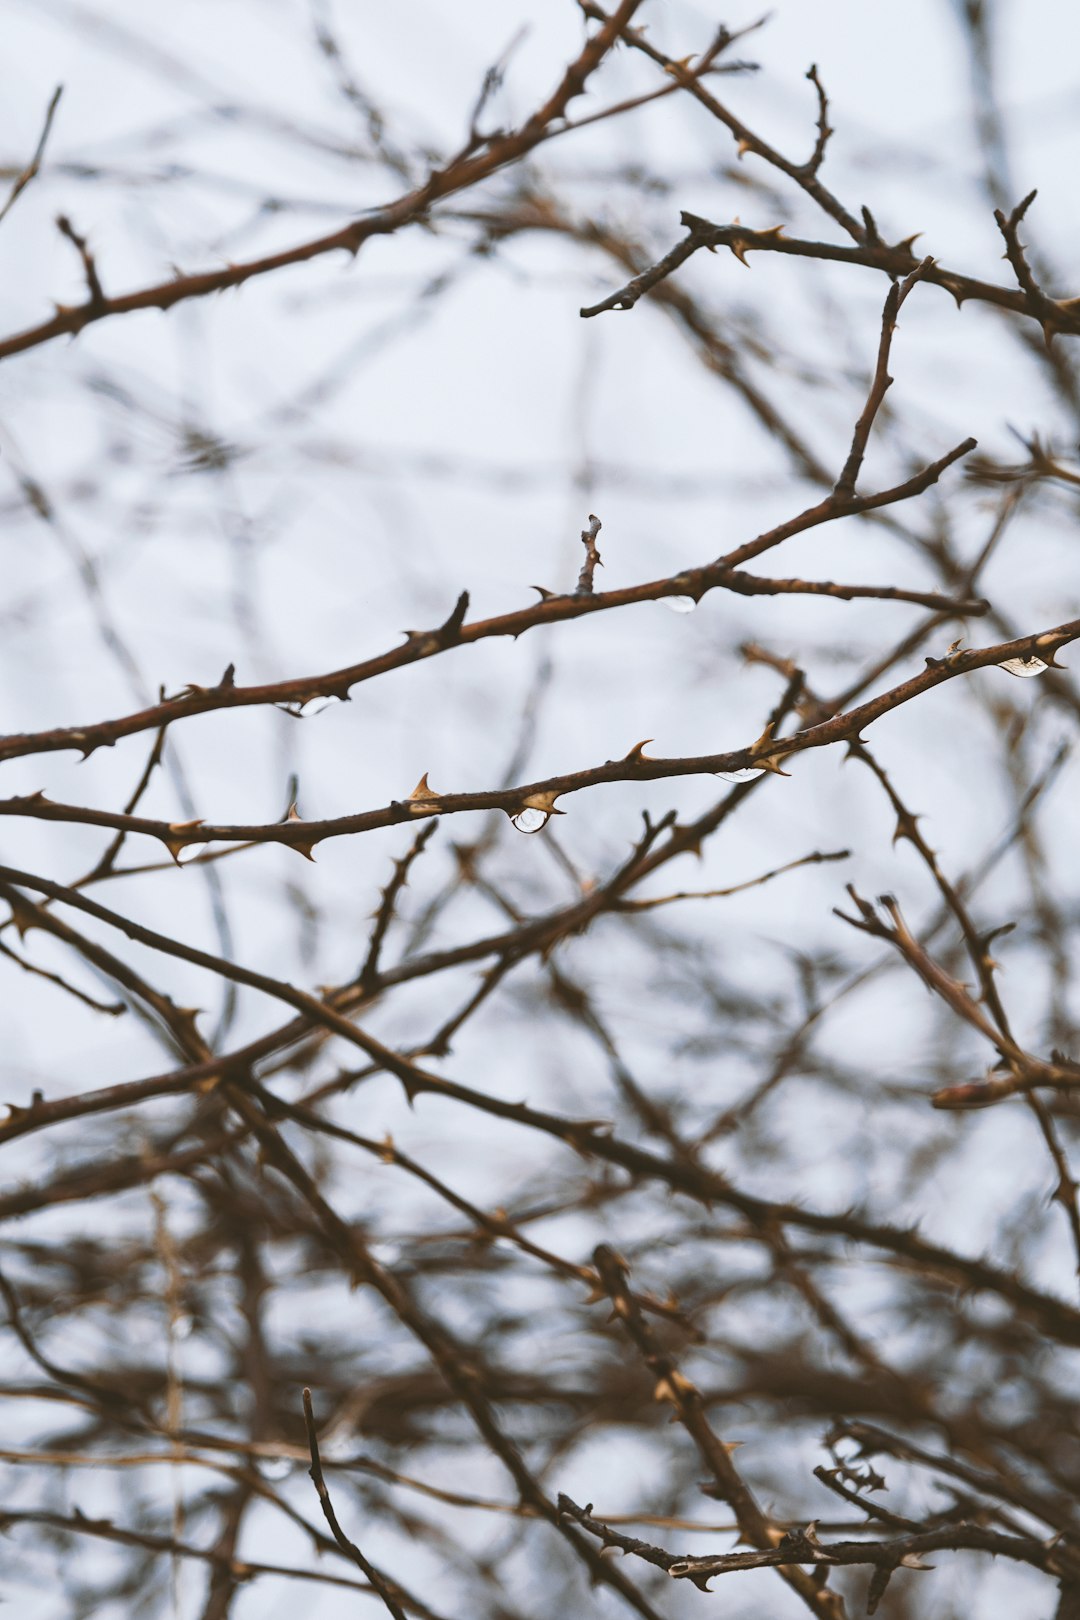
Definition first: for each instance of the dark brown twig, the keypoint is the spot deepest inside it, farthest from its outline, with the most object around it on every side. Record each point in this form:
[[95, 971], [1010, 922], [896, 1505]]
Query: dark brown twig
[[385, 1588], [90, 271]]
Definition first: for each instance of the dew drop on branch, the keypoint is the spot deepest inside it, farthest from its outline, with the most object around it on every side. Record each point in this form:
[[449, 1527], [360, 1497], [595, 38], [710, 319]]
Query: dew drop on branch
[[531, 820], [189, 852], [314, 705], [276, 1467], [748, 774], [678, 604], [1024, 667]]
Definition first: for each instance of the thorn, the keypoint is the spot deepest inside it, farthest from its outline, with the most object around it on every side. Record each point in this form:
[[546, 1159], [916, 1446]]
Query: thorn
[[175, 845], [905, 827], [675, 1387], [541, 801], [421, 799], [188, 1015], [767, 762]]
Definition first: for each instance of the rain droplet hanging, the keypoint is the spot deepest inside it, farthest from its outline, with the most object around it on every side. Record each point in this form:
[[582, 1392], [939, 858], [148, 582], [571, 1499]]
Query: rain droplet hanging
[[531, 820], [1024, 667]]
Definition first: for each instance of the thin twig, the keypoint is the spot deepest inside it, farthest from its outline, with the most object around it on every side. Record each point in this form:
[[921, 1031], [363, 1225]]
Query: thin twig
[[379, 1581], [33, 167]]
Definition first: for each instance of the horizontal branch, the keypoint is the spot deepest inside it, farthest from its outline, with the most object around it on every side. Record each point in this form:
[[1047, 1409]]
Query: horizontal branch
[[636, 766], [898, 260], [800, 1547], [551, 609]]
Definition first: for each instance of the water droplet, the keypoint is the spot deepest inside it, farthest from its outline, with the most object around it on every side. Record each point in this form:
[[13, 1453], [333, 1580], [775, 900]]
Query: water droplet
[[189, 852], [183, 1326], [314, 705], [276, 1467], [748, 774], [678, 604], [1024, 667], [531, 820]]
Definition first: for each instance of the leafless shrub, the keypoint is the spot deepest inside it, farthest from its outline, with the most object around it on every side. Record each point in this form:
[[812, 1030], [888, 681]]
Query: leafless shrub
[[500, 1152]]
